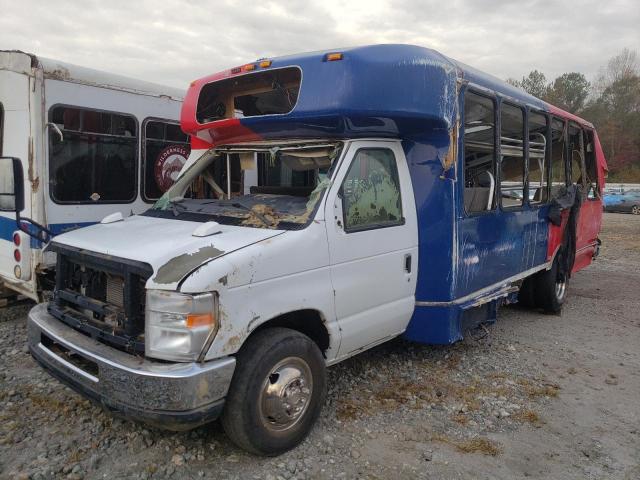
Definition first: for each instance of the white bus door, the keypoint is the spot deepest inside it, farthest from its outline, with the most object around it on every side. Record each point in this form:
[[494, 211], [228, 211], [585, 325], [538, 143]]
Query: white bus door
[[373, 244]]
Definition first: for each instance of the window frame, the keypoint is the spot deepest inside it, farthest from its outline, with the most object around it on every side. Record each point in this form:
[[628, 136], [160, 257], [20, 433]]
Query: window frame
[[525, 155], [547, 155], [496, 139], [401, 221], [143, 153], [137, 156], [591, 131]]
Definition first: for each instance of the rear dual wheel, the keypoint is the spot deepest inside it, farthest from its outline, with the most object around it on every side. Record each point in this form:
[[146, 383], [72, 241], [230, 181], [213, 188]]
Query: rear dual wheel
[[546, 289], [276, 393]]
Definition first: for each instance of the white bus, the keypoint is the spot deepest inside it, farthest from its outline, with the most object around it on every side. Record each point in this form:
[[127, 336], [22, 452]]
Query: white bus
[[92, 143]]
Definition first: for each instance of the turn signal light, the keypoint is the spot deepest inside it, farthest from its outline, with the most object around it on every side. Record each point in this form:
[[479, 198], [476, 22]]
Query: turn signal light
[[332, 57], [265, 63], [16, 239], [16, 255], [199, 320]]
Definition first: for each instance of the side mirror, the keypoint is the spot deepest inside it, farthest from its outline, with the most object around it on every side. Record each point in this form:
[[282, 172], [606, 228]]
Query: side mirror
[[11, 185]]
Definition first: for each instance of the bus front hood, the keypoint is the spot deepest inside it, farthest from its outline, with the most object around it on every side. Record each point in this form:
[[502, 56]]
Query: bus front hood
[[167, 245]]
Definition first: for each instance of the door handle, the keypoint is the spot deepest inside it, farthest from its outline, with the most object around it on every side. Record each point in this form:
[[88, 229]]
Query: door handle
[[407, 263]]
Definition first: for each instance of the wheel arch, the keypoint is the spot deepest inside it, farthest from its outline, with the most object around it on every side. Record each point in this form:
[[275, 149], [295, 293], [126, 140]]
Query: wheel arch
[[309, 322]]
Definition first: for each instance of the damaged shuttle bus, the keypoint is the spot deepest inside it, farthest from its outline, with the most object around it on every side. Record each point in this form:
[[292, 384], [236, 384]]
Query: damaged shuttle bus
[[91, 144], [337, 200]]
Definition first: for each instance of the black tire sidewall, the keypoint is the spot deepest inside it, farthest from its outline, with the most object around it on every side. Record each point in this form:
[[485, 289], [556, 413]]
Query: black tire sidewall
[[546, 289], [254, 363]]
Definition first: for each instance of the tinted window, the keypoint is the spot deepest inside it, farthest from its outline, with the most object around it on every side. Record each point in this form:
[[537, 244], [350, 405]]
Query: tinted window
[[479, 153], [576, 154], [593, 191], [371, 191], [538, 157], [558, 155], [512, 155], [166, 149], [95, 162]]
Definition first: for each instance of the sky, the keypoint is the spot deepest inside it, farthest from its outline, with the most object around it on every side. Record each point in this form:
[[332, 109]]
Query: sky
[[173, 42]]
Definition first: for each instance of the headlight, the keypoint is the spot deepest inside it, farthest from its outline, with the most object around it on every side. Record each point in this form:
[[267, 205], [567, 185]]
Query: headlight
[[177, 325]]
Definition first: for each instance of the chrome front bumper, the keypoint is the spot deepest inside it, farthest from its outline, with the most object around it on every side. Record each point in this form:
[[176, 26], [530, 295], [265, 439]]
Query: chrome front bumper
[[173, 396]]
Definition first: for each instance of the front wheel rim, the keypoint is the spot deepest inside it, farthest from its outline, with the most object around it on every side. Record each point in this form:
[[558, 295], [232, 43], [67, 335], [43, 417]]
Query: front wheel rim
[[561, 289], [285, 394], [635, 210]]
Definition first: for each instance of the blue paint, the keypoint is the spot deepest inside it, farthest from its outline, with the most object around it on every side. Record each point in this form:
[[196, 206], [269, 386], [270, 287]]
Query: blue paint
[[414, 87], [412, 93], [8, 226]]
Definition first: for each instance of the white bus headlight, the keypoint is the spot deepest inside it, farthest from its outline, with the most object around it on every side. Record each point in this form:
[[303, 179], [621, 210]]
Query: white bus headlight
[[178, 325]]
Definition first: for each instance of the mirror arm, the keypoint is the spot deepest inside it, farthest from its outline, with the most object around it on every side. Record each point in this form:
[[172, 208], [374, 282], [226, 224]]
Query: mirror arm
[[43, 235]]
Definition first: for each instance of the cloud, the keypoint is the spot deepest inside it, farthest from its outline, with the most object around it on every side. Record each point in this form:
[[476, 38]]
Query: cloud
[[172, 42]]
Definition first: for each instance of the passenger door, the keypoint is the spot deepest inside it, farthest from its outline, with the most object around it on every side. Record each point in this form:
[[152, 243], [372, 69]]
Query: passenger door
[[584, 172], [373, 244]]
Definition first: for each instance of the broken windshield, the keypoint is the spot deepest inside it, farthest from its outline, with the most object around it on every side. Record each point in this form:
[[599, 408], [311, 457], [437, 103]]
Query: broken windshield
[[263, 186]]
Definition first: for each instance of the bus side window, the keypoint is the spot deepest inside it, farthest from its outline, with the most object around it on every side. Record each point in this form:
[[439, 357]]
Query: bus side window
[[479, 153], [538, 157], [165, 150], [511, 155], [593, 189], [96, 160], [576, 155], [558, 168]]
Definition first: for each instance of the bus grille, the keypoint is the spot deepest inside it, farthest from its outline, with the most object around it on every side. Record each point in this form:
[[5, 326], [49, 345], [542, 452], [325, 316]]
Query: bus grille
[[101, 296]]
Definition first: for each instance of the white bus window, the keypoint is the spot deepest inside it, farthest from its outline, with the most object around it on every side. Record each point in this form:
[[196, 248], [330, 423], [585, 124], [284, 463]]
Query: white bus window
[[95, 161], [511, 155], [538, 157], [166, 149], [479, 153]]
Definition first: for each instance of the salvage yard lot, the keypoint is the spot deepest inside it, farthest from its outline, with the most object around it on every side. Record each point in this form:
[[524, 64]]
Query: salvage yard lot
[[533, 396]]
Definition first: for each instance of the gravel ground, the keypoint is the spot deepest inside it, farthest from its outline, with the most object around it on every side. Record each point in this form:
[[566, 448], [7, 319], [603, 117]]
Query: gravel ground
[[533, 396]]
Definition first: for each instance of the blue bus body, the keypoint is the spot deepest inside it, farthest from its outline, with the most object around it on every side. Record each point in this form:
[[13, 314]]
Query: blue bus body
[[468, 264]]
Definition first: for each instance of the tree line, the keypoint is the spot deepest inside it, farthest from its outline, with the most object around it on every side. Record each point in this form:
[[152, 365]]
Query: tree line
[[611, 102]]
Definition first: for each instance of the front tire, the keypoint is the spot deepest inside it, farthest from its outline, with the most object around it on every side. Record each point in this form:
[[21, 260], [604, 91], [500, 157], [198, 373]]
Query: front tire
[[276, 393]]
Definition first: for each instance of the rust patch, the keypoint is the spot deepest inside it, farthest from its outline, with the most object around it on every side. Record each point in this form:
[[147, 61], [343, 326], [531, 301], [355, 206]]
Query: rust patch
[[223, 280], [59, 73], [176, 268], [234, 342], [450, 158]]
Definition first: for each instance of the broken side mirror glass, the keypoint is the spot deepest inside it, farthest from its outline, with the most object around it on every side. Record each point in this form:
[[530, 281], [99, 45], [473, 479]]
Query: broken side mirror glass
[[12, 198], [11, 185]]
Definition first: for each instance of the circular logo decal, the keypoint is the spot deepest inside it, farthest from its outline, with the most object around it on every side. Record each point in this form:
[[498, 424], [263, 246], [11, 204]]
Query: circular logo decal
[[168, 164]]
